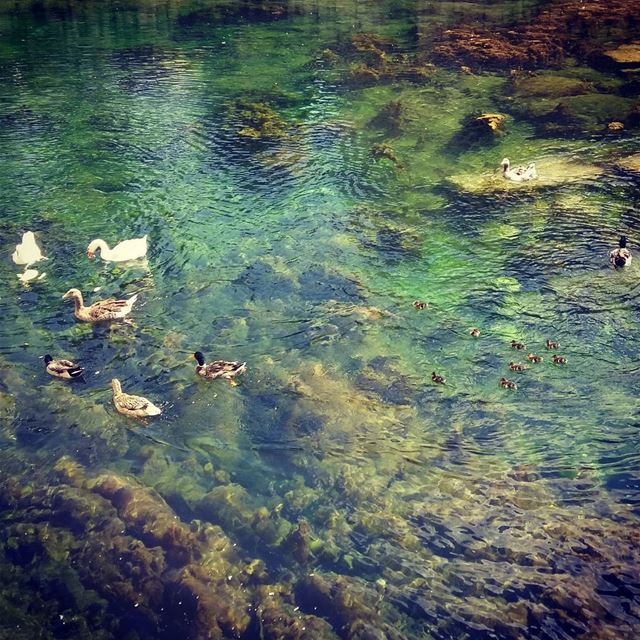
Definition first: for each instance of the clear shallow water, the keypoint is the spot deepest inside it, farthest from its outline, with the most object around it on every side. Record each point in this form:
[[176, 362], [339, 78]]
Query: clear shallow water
[[445, 512]]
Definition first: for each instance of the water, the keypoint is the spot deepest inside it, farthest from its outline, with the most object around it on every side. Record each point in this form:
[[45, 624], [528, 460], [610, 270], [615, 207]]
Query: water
[[355, 498]]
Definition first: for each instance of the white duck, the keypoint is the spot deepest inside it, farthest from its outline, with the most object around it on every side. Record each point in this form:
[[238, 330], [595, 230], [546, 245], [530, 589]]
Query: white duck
[[518, 174], [123, 251], [28, 251]]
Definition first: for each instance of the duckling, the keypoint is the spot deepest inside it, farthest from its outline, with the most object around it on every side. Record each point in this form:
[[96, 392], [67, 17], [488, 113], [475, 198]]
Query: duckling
[[132, 406], [64, 369], [552, 345], [518, 174], [420, 304], [437, 378], [218, 368], [532, 357], [508, 384], [516, 366], [559, 359], [620, 257], [101, 311], [517, 345], [475, 332]]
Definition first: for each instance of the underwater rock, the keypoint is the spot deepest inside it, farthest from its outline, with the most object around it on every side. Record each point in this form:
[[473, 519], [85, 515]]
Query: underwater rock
[[218, 608], [479, 48], [278, 620], [479, 129], [548, 85], [382, 150], [350, 606], [257, 120], [552, 172], [392, 118], [227, 505], [630, 163], [556, 32], [626, 56], [297, 543], [149, 516]]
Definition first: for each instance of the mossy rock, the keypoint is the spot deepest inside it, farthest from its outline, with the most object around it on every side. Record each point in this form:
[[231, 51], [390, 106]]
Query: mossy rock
[[552, 172], [549, 86], [630, 163]]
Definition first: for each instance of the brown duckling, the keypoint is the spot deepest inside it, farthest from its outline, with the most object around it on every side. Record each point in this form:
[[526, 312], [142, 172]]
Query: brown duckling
[[420, 304], [508, 384], [438, 379], [552, 345], [559, 359], [532, 357], [516, 366], [517, 345], [475, 332]]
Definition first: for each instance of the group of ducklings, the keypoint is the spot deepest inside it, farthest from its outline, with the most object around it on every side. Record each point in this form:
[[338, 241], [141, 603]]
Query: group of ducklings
[[110, 310], [618, 257], [517, 367]]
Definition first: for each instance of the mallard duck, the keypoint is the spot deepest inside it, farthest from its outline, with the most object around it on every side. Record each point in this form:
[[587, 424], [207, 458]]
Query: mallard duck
[[532, 357], [475, 332], [559, 359], [437, 378], [518, 174], [620, 257], [28, 251], [132, 406], [420, 304], [123, 251], [218, 368], [517, 345], [64, 369], [101, 311], [550, 344], [516, 366], [508, 384]]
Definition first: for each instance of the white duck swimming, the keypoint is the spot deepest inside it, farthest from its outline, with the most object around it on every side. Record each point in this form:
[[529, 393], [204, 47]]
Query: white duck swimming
[[518, 174], [123, 251], [28, 251]]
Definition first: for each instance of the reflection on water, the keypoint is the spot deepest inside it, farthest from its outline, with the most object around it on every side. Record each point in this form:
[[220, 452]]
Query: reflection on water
[[305, 172]]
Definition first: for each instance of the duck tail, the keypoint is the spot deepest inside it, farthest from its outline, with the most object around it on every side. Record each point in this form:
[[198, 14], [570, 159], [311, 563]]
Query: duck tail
[[152, 410], [76, 372]]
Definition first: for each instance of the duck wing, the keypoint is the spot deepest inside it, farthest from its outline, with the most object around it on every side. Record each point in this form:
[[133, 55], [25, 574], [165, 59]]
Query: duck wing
[[219, 368], [133, 403], [109, 309]]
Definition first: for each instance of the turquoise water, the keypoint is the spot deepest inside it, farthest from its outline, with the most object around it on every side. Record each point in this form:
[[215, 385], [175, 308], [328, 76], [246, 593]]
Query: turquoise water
[[336, 491]]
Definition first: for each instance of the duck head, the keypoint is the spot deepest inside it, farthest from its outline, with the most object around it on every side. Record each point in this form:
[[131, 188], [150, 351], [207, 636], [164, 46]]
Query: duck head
[[623, 242], [72, 293], [199, 357], [94, 245], [505, 165], [47, 359]]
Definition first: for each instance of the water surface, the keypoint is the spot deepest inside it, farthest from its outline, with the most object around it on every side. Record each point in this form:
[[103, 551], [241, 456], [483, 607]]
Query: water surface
[[355, 498]]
